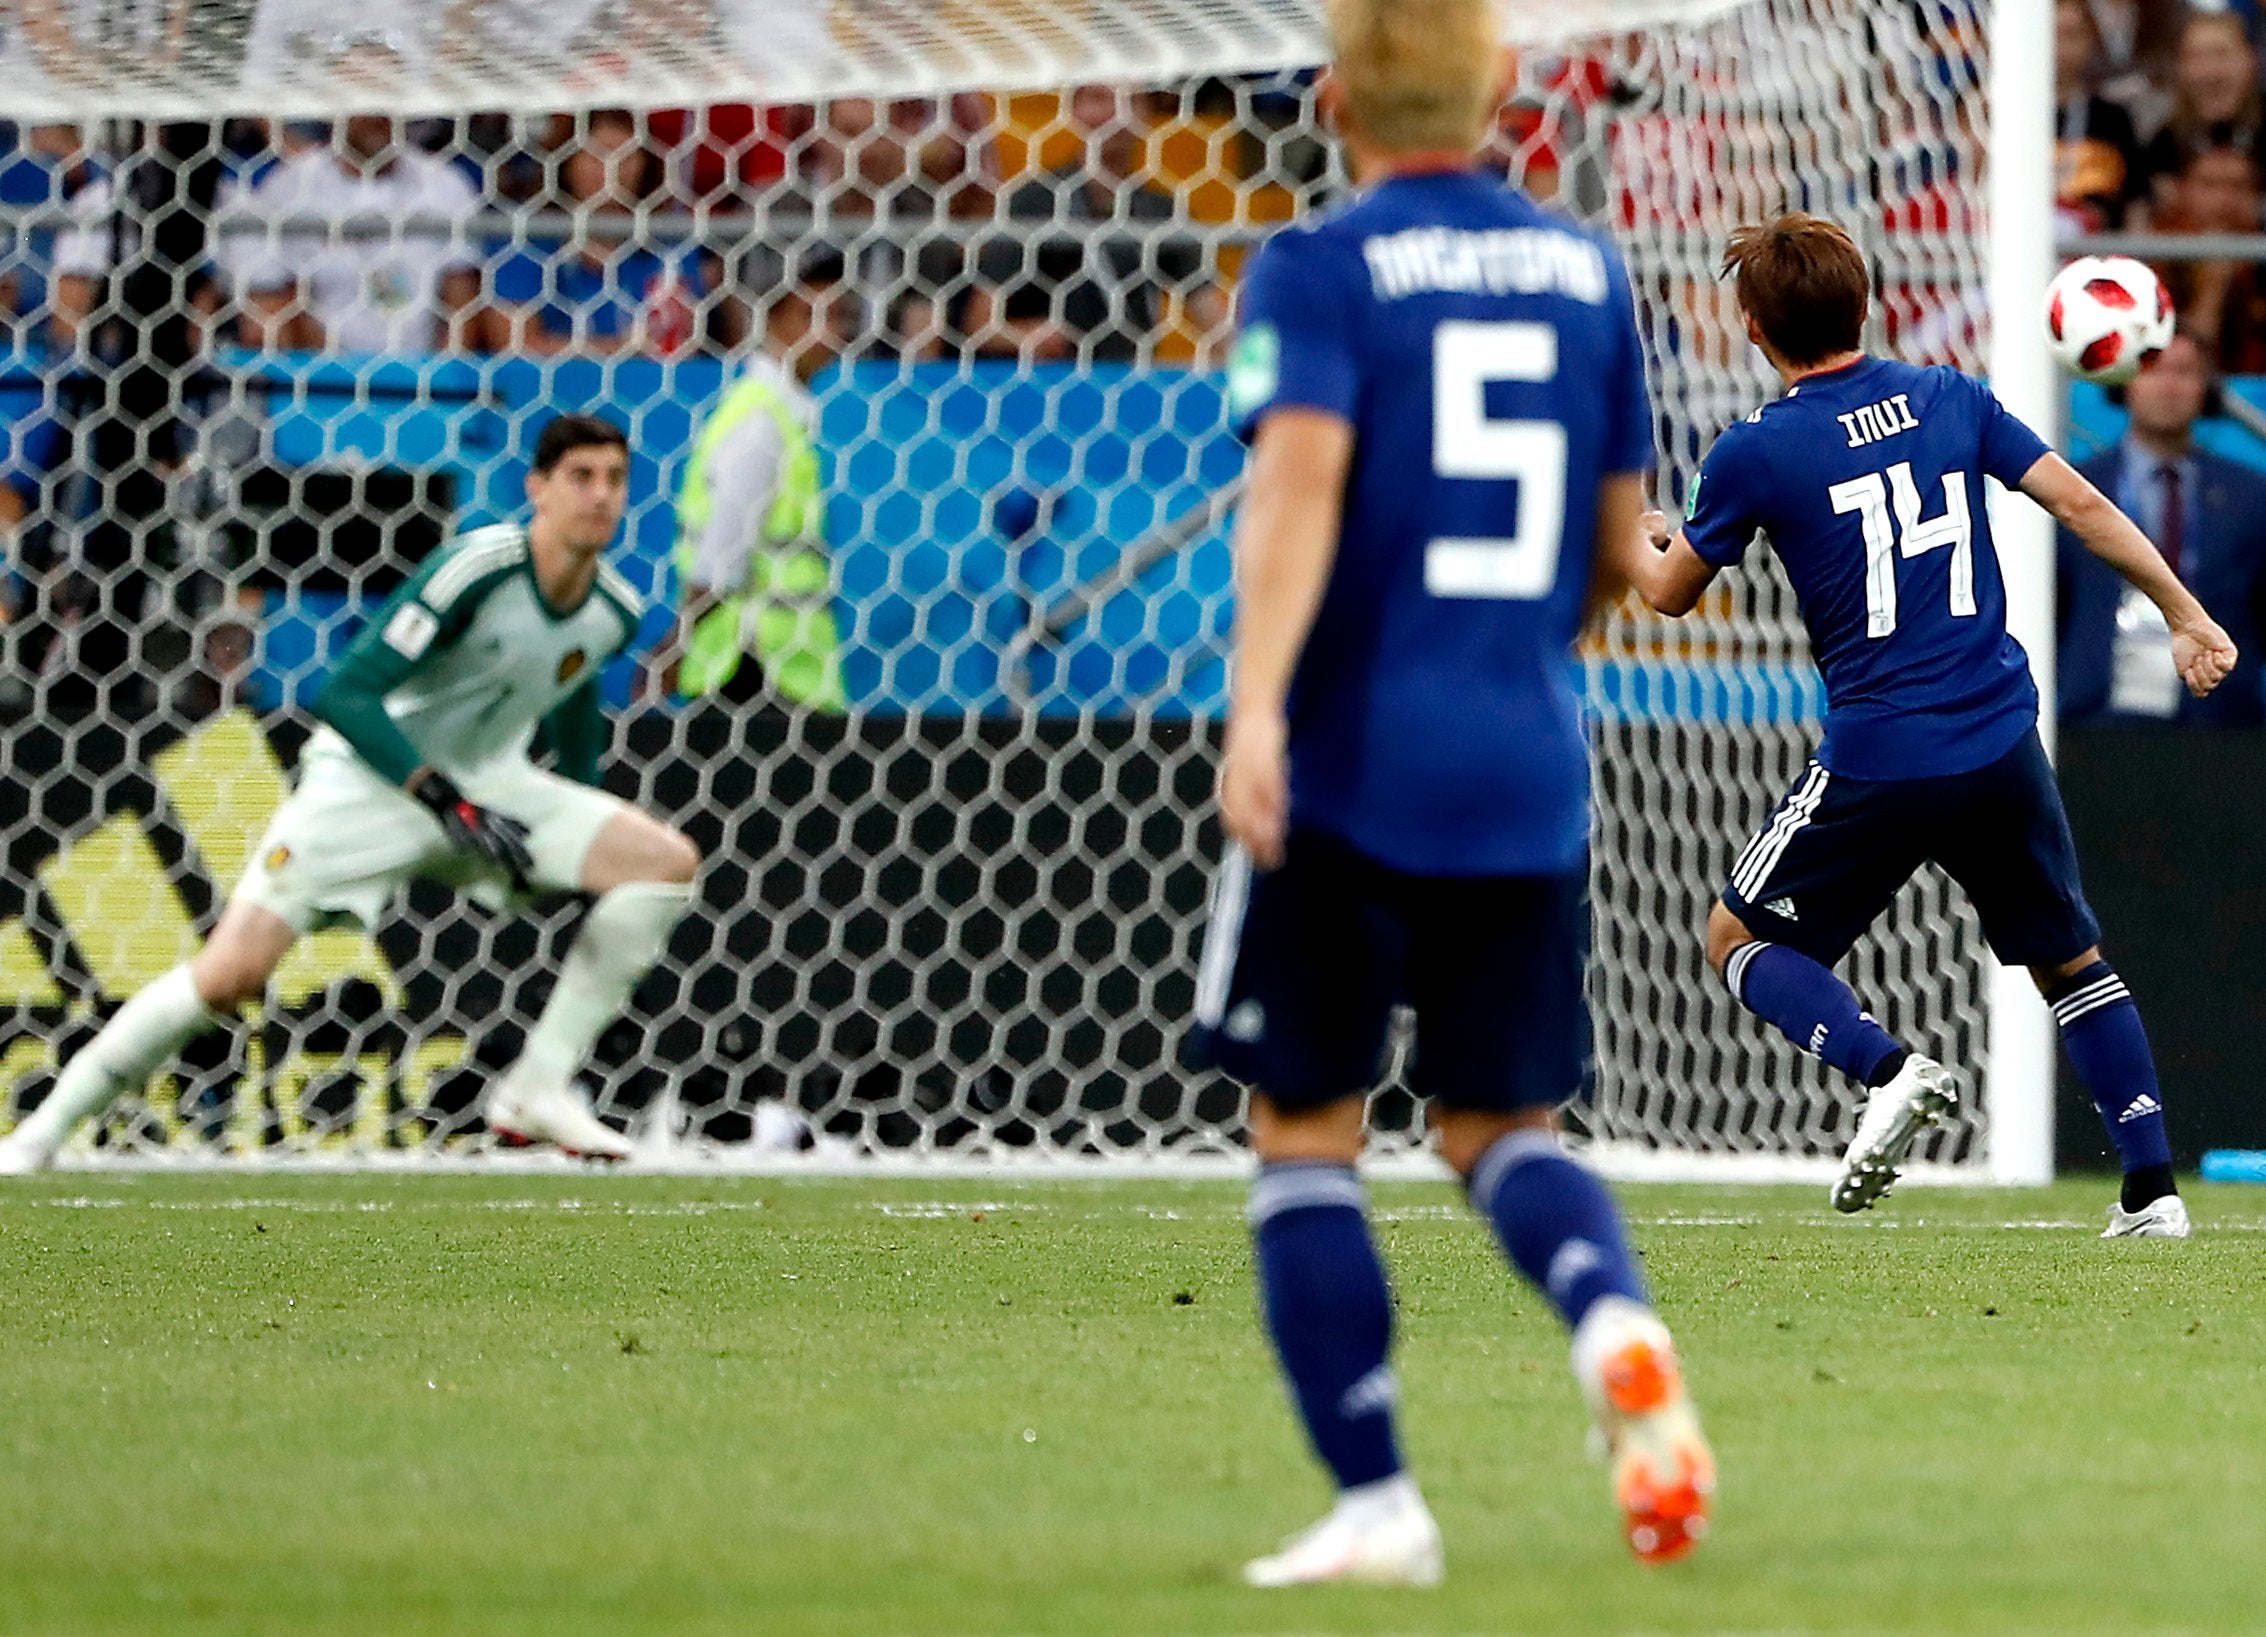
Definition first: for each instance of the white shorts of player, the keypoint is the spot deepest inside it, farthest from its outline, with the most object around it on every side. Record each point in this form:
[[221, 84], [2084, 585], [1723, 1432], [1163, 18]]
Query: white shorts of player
[[346, 841]]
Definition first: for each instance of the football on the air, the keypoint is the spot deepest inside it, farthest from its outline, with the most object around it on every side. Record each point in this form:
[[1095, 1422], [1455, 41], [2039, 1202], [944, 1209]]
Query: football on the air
[[2107, 316]]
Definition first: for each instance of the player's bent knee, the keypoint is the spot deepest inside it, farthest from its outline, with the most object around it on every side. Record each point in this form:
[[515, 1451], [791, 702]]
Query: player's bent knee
[[232, 970], [662, 855], [1726, 933], [1466, 1134], [677, 858], [636, 847], [2045, 977], [230, 982], [1330, 1133]]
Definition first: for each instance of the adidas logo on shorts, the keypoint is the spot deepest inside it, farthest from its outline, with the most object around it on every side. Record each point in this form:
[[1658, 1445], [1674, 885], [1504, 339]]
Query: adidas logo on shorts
[[1783, 908]]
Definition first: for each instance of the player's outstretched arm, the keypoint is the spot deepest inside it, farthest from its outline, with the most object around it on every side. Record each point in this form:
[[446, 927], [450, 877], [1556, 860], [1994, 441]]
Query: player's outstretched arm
[[2203, 652], [1286, 539]]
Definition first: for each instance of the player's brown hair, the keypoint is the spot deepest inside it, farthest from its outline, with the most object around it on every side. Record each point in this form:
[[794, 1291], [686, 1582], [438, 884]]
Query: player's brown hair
[[563, 434], [1804, 282], [1418, 74]]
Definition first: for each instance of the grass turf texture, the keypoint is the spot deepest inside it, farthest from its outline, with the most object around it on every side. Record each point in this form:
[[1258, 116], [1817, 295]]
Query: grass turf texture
[[235, 1404]]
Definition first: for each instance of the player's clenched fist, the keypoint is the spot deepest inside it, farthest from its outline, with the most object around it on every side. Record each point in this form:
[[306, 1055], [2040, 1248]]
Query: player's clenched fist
[[2204, 655], [1255, 785]]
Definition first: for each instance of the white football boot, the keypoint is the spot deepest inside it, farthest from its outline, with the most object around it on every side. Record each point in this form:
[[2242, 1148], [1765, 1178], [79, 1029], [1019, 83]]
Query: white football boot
[[1663, 1470], [1379, 1535], [24, 1156], [1895, 1115], [2161, 1218], [558, 1115]]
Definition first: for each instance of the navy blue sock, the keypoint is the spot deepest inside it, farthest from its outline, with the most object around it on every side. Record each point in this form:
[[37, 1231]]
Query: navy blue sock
[[1328, 1311], [2101, 1028], [1556, 1222], [1814, 1009]]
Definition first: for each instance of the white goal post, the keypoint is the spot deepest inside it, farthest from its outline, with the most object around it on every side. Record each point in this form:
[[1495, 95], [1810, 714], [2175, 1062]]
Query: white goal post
[[2021, 264], [951, 918]]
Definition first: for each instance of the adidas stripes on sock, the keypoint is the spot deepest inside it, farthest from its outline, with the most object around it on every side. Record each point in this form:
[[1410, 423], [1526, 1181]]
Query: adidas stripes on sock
[[2101, 1028], [1329, 1313], [1807, 1004], [1556, 1222]]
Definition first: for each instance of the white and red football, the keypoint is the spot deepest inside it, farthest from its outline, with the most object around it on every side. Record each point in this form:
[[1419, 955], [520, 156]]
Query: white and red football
[[2106, 316]]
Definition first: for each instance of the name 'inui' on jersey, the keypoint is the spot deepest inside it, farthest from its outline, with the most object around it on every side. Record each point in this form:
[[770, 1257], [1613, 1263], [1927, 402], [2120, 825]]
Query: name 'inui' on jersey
[[1868, 482]]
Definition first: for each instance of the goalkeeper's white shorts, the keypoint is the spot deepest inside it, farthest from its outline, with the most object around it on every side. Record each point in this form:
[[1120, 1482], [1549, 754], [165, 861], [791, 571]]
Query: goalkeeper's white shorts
[[346, 842]]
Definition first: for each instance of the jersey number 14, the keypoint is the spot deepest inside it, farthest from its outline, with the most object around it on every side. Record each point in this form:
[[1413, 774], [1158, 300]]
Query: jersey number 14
[[1873, 498], [1466, 443]]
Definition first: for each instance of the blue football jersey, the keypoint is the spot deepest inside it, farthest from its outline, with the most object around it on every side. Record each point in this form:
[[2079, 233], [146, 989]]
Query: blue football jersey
[[1485, 353], [1869, 484]]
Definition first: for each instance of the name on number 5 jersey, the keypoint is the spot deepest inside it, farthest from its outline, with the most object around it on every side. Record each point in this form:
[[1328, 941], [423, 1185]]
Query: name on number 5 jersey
[[1868, 483], [1485, 353]]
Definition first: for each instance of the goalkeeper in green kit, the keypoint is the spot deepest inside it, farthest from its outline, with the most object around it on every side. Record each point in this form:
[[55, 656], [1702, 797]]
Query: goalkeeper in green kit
[[422, 768]]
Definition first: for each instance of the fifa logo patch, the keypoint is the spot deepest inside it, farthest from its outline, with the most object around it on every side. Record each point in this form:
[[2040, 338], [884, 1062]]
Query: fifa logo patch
[[571, 665], [277, 857], [1255, 370]]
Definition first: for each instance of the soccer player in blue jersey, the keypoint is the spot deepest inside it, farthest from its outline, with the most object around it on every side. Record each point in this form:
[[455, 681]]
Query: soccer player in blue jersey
[[1444, 392], [1866, 477]]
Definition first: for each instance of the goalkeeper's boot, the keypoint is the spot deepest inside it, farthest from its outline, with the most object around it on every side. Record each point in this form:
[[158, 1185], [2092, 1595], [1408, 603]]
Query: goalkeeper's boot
[[1663, 1470], [22, 1155], [2162, 1218], [1895, 1115], [523, 1114], [1379, 1535]]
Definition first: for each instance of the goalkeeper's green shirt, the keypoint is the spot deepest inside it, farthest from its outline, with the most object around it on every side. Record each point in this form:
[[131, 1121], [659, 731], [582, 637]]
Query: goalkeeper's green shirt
[[467, 664]]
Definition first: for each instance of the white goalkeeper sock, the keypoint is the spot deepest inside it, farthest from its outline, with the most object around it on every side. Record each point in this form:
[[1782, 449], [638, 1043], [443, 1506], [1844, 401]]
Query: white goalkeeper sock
[[137, 1041], [622, 936]]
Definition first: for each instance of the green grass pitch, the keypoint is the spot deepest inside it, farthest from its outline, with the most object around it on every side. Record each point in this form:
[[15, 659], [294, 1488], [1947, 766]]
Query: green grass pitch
[[553, 1405]]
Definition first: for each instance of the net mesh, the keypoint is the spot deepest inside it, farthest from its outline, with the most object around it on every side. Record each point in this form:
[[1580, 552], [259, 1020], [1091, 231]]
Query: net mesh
[[170, 59], [260, 366]]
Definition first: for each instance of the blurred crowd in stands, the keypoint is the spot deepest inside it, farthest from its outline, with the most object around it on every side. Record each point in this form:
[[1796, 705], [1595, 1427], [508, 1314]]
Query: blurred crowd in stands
[[2159, 131], [608, 231], [1047, 229], [1100, 226]]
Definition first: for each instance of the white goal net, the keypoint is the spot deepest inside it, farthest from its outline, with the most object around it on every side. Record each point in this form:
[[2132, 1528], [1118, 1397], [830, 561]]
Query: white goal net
[[288, 289]]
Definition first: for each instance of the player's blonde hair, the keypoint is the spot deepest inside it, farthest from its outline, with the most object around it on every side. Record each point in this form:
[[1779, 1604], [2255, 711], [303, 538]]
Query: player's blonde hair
[[1418, 74]]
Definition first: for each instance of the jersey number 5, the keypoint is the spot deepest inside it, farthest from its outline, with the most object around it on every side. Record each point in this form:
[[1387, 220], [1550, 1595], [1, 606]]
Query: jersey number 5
[[1886, 537], [1467, 444]]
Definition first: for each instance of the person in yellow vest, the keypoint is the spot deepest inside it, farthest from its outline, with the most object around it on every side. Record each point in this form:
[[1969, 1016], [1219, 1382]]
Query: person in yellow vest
[[755, 595]]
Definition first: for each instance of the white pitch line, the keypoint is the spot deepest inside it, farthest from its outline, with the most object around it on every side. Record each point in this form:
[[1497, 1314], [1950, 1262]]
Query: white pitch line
[[944, 1210]]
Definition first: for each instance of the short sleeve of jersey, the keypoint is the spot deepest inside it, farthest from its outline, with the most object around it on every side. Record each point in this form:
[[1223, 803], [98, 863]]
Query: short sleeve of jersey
[[1297, 347], [2010, 448], [1628, 430], [1722, 512]]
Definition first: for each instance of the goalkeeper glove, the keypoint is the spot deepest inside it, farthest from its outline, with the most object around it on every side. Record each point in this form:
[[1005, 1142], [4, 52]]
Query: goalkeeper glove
[[491, 836]]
